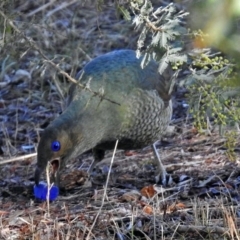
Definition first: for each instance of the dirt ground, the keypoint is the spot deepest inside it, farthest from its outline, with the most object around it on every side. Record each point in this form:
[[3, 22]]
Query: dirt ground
[[201, 203]]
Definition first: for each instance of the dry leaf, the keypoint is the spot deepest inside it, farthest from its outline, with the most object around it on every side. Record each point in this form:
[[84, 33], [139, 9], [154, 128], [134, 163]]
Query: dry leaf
[[227, 185], [148, 191], [130, 153], [180, 205], [208, 161], [131, 196], [148, 209], [3, 212], [194, 130], [24, 229], [176, 206]]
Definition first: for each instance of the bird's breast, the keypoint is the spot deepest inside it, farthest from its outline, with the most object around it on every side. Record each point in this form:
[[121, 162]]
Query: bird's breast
[[146, 118]]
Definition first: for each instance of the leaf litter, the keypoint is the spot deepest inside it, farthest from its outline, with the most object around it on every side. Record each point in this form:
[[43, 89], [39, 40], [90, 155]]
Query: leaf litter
[[204, 199]]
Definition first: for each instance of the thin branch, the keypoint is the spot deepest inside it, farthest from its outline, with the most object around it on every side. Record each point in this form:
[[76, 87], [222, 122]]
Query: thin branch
[[41, 8], [21, 158], [34, 46], [151, 25], [202, 229], [105, 191]]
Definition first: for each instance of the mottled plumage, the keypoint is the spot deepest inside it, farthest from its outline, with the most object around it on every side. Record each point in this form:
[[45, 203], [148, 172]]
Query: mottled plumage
[[140, 116]]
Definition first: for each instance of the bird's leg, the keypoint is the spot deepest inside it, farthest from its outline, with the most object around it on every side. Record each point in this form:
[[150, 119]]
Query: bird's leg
[[98, 155], [162, 175]]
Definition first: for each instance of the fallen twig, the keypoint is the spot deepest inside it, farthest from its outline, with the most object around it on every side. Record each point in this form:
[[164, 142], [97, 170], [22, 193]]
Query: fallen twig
[[20, 158]]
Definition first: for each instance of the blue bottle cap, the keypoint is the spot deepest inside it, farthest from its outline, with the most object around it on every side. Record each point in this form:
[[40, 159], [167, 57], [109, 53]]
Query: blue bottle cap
[[40, 192]]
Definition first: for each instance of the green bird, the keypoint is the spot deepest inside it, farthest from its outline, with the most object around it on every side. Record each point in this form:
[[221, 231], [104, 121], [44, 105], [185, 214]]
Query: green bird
[[134, 107]]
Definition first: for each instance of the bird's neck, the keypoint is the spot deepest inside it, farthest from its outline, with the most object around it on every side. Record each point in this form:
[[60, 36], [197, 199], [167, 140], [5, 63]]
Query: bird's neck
[[83, 131]]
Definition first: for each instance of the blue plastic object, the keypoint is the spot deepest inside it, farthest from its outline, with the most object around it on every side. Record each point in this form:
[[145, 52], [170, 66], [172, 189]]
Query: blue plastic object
[[40, 192]]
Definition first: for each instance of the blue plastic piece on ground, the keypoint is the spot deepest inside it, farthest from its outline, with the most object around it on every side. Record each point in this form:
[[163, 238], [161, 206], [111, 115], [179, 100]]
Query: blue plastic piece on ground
[[40, 192]]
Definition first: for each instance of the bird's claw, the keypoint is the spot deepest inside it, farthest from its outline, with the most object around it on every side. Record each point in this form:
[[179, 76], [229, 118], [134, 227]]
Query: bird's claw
[[164, 179]]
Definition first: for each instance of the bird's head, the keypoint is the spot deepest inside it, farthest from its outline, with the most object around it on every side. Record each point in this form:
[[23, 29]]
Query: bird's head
[[55, 146]]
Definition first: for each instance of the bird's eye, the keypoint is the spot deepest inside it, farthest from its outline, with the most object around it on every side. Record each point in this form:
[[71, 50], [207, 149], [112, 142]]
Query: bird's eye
[[56, 146]]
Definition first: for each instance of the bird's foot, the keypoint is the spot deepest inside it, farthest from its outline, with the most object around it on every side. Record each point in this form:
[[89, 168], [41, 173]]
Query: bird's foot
[[97, 176], [164, 179]]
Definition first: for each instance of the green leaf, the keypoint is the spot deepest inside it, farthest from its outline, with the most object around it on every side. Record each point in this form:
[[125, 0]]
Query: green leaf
[[125, 13]]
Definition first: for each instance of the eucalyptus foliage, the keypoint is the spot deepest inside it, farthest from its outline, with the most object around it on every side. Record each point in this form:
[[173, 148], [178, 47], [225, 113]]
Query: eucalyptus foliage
[[210, 77], [161, 33]]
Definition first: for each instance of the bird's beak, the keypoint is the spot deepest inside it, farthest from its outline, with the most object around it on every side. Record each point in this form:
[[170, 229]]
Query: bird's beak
[[37, 175], [55, 164]]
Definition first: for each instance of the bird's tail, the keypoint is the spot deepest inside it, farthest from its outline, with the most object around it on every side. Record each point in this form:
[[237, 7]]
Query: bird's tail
[[167, 83]]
